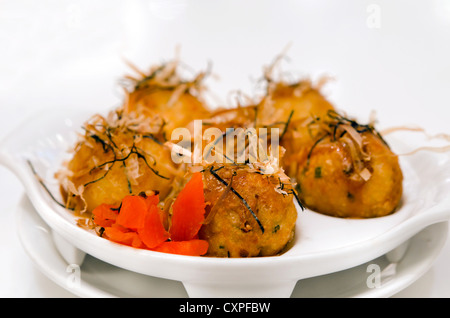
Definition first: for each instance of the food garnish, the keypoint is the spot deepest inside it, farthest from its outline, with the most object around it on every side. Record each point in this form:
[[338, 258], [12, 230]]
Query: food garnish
[[140, 222]]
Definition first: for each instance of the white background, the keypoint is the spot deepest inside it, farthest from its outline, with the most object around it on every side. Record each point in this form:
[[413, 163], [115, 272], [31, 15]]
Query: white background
[[389, 56]]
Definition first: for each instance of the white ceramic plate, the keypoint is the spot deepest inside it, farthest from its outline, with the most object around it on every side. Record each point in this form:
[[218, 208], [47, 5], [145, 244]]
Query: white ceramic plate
[[322, 245], [99, 279]]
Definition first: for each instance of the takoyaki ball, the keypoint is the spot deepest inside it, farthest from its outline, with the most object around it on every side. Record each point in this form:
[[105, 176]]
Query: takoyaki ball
[[288, 103], [334, 179], [231, 229], [164, 93], [111, 162], [175, 111], [291, 107]]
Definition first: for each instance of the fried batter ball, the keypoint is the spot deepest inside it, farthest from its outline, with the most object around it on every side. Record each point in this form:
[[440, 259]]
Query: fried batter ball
[[291, 102], [290, 106], [350, 171], [246, 216], [117, 156], [164, 93], [341, 168]]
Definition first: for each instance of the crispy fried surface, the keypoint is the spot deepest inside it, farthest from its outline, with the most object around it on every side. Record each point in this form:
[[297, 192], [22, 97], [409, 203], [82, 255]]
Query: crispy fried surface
[[328, 182], [230, 228], [292, 101], [342, 168], [163, 92], [113, 160], [175, 110]]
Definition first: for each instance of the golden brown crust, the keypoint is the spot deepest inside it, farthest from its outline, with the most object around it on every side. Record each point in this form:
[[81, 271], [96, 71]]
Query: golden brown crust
[[163, 92], [115, 158], [328, 184], [342, 168], [231, 229]]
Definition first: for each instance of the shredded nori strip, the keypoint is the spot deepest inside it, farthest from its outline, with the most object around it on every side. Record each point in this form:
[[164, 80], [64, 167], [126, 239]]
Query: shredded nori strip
[[213, 172], [133, 150], [292, 191], [358, 127], [311, 150], [286, 124], [45, 187], [152, 137], [298, 199], [105, 146], [130, 189]]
